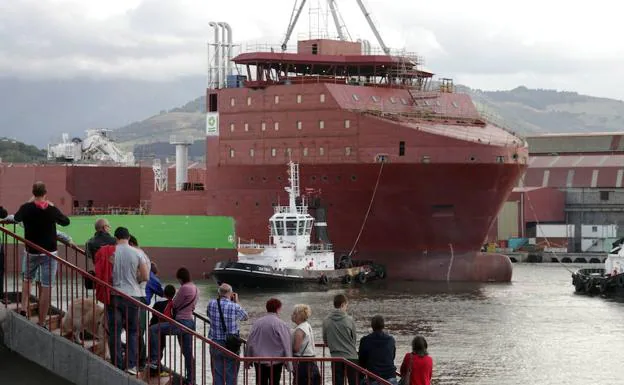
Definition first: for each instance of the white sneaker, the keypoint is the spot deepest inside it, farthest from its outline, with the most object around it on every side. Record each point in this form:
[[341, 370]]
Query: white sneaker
[[132, 371]]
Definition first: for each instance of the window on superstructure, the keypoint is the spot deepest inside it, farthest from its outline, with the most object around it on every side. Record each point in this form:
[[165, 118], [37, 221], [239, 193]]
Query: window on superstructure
[[375, 98], [455, 105], [314, 49], [276, 126], [401, 148], [403, 101], [299, 99], [321, 151], [500, 159], [288, 152], [212, 103], [232, 102], [252, 152], [231, 127], [305, 151], [356, 98], [299, 125], [249, 100], [276, 99], [322, 98], [347, 123], [246, 127], [231, 152], [348, 151], [263, 126], [273, 152], [321, 124], [392, 100]]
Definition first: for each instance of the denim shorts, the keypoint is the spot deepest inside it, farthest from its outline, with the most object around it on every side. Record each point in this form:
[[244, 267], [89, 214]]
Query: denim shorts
[[39, 267]]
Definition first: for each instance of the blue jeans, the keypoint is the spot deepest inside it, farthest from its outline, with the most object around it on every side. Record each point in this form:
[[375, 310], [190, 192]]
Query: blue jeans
[[156, 340], [224, 368], [122, 314]]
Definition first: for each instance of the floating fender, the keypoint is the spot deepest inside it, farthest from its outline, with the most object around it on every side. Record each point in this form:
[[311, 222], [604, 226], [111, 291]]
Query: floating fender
[[381, 274], [323, 280], [361, 277], [346, 279], [588, 286], [578, 286], [604, 286]]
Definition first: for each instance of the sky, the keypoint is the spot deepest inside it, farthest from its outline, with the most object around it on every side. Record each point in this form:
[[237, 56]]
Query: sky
[[489, 45]]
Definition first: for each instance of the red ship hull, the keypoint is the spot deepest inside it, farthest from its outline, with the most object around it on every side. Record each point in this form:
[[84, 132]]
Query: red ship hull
[[426, 222]]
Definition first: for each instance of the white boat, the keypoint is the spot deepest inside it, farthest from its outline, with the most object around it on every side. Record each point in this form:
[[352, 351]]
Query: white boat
[[290, 258]]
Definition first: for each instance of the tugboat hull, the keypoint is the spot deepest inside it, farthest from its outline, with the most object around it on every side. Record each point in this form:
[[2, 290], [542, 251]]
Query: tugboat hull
[[245, 275]]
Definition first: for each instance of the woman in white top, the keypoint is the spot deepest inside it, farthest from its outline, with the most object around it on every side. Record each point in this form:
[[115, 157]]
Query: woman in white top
[[306, 373]]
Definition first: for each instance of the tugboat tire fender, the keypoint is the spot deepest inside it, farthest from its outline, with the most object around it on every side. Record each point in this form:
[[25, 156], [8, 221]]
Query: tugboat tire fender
[[361, 277], [381, 274], [579, 287], [323, 280], [346, 279]]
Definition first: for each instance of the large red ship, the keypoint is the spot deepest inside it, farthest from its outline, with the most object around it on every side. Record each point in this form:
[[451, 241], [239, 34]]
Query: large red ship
[[403, 170], [407, 174]]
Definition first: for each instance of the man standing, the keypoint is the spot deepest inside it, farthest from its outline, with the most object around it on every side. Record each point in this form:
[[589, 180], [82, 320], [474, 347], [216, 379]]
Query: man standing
[[269, 337], [39, 217], [340, 336], [377, 352], [129, 269], [224, 310], [100, 238]]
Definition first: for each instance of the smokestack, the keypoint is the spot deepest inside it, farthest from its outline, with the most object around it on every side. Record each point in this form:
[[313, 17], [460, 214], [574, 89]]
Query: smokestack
[[217, 55], [182, 145], [224, 57]]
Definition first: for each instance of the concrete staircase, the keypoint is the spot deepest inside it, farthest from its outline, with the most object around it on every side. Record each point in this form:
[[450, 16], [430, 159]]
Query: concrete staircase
[[19, 326]]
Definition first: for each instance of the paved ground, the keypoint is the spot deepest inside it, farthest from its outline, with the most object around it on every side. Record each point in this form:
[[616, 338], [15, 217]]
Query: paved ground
[[14, 369]]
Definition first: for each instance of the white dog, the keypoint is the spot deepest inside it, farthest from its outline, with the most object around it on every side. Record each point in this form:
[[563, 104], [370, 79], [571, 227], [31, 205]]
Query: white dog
[[85, 314]]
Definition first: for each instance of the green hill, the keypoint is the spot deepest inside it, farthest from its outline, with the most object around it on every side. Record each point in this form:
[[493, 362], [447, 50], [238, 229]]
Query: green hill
[[14, 151]]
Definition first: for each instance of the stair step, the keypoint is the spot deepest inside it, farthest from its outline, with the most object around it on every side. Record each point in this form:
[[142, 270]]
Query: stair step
[[160, 380]]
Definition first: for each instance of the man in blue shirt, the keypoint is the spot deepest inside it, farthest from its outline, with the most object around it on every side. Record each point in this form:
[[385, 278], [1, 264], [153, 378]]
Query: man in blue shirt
[[224, 368], [378, 350]]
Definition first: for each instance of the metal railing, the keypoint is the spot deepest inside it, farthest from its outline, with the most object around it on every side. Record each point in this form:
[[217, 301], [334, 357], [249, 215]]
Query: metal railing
[[193, 355]]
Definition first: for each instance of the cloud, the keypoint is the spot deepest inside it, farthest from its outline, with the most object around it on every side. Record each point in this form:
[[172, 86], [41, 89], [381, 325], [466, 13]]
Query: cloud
[[486, 44]]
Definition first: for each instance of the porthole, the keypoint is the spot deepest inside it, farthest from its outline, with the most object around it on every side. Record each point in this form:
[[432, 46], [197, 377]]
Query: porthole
[[279, 178], [324, 178], [264, 178], [353, 178], [313, 178], [257, 204]]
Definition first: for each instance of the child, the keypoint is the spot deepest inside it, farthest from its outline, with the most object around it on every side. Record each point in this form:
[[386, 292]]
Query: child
[[164, 307]]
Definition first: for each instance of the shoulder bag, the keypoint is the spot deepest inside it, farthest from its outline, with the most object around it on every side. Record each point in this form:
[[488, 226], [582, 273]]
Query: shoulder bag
[[232, 341], [405, 380]]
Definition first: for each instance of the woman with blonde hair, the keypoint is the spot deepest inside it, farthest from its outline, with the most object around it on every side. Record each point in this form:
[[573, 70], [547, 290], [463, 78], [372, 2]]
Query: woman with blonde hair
[[306, 372]]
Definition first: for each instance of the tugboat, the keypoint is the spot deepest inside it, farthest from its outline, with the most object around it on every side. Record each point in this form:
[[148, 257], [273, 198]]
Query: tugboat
[[607, 281], [290, 259]]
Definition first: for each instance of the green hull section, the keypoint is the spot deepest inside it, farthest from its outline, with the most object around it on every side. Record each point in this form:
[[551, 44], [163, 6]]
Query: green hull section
[[179, 231]]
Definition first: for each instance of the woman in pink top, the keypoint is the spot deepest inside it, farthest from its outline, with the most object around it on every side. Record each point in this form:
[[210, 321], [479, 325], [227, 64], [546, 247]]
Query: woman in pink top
[[418, 363]]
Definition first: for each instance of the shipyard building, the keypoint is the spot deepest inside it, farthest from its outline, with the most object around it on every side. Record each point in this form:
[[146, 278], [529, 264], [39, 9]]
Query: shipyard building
[[570, 198]]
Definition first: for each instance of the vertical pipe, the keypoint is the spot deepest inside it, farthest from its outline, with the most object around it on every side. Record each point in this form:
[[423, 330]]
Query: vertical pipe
[[181, 166], [217, 54], [229, 49], [224, 57]]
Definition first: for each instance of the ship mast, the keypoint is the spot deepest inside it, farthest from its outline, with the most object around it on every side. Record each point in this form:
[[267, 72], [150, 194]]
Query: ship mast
[[293, 189], [340, 26]]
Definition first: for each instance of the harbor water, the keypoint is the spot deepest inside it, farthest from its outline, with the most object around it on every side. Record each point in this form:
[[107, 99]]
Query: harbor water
[[534, 330]]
